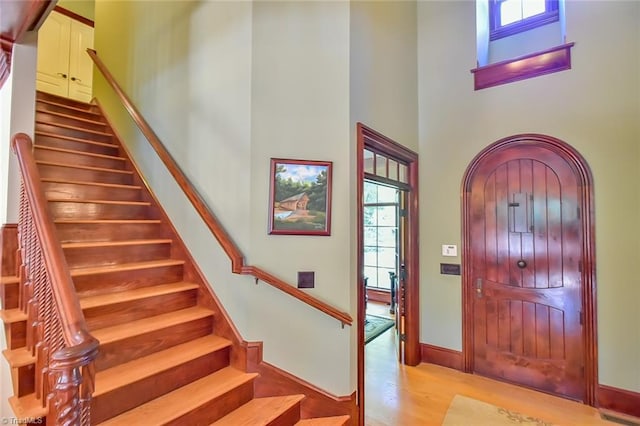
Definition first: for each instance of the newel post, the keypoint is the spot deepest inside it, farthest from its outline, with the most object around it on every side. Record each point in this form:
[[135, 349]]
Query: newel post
[[71, 383]]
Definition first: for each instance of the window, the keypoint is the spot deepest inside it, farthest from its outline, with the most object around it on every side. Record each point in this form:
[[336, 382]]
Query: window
[[508, 17], [381, 214]]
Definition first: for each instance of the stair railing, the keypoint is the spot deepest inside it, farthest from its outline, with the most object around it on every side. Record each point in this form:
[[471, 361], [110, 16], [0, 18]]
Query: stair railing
[[230, 248], [57, 334]]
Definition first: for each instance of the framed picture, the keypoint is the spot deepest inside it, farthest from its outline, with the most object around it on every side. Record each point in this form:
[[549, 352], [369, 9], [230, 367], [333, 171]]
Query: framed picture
[[300, 197]]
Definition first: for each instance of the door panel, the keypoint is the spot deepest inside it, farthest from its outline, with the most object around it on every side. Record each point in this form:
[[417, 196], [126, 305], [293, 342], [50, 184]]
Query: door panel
[[80, 64], [53, 55], [526, 242]]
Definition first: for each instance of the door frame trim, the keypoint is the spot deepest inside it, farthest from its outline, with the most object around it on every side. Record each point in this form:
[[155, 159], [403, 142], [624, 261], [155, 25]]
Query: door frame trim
[[588, 277], [374, 141]]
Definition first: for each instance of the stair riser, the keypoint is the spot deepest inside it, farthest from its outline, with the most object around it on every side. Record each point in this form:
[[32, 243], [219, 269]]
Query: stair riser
[[47, 117], [94, 211], [122, 313], [44, 154], [217, 408], [93, 284], [9, 296], [73, 232], [72, 173], [130, 396], [23, 380], [74, 191], [66, 101], [108, 255], [289, 417], [43, 140], [16, 334], [61, 109], [74, 133], [112, 354]]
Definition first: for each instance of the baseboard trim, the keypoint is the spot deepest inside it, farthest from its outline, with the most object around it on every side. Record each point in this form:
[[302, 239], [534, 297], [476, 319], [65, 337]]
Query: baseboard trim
[[274, 381], [619, 400], [441, 356]]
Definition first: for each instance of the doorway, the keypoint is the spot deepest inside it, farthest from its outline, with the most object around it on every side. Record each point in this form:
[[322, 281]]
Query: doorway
[[392, 170], [528, 275]]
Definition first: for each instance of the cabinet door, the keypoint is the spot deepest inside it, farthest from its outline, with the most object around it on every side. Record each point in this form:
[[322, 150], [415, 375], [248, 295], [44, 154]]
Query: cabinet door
[[80, 64], [53, 55]]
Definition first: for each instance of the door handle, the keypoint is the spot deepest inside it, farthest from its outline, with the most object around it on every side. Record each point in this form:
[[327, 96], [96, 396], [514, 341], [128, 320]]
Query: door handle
[[479, 287], [63, 75], [75, 79]]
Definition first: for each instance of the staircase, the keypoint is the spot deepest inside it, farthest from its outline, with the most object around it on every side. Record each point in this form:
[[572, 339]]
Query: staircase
[[166, 356]]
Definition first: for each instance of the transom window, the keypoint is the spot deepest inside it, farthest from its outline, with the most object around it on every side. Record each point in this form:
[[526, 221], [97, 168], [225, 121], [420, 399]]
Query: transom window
[[510, 17]]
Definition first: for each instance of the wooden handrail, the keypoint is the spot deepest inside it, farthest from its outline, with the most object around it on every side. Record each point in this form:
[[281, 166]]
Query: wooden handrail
[[69, 366], [230, 248]]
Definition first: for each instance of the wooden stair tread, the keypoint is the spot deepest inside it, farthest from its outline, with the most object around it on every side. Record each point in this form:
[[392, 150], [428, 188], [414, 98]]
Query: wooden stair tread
[[9, 316], [106, 221], [76, 152], [147, 366], [90, 183], [78, 272], [135, 294], [79, 129], [85, 201], [118, 243], [76, 166], [73, 117], [75, 139], [18, 357], [64, 105], [9, 279], [27, 407], [122, 331], [324, 421], [259, 411], [183, 400]]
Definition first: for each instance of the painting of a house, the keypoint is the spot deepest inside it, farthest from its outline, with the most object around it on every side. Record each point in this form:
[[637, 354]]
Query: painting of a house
[[300, 197]]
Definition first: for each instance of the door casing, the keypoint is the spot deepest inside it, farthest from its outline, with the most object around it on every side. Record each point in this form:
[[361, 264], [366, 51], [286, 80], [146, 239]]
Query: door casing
[[588, 281]]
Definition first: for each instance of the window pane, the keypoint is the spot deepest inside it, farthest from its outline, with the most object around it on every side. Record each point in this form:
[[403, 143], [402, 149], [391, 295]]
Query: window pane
[[370, 236], [387, 216], [403, 174], [368, 161], [387, 194], [533, 7], [381, 165], [383, 278], [387, 258], [370, 217], [370, 193], [510, 11], [371, 273], [387, 237], [370, 256], [393, 169]]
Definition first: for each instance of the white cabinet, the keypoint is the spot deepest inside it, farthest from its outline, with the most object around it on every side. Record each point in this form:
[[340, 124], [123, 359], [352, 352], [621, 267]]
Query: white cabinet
[[64, 67]]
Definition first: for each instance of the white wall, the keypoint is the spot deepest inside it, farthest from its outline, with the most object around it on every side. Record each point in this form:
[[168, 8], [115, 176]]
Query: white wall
[[17, 114], [594, 107]]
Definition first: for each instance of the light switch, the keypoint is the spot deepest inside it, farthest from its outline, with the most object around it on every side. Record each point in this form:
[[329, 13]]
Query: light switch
[[449, 250]]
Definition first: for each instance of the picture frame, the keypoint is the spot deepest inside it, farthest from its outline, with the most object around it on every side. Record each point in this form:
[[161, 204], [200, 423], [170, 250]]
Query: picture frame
[[300, 197]]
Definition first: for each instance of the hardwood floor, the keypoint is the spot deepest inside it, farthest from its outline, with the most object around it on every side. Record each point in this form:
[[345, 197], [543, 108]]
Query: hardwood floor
[[398, 395]]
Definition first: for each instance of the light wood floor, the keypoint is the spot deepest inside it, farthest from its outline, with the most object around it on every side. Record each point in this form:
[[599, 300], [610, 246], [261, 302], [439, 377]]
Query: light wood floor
[[397, 395]]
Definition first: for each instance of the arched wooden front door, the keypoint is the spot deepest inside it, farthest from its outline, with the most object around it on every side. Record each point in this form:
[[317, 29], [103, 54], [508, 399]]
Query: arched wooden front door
[[528, 256]]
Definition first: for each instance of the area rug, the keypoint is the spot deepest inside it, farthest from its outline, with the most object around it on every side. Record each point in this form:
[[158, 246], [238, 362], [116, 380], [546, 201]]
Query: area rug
[[375, 326], [465, 411]]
